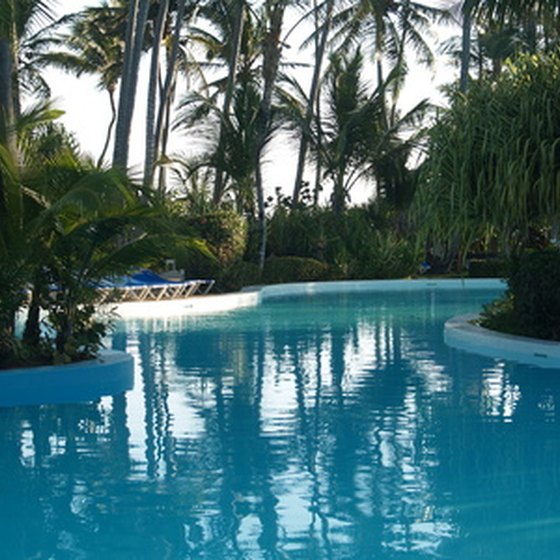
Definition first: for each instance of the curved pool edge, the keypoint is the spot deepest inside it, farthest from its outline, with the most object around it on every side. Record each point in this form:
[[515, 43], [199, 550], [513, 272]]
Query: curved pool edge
[[110, 374], [462, 334], [356, 286], [255, 295]]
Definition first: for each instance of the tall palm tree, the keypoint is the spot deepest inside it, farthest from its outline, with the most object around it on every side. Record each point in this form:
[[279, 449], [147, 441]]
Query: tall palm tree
[[356, 144], [17, 18], [387, 28], [159, 28], [171, 21], [168, 87], [322, 33], [94, 45], [231, 34], [134, 39]]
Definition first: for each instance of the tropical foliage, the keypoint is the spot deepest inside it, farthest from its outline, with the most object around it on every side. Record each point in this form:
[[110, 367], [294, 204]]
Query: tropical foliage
[[64, 226], [531, 305], [493, 163], [223, 74]]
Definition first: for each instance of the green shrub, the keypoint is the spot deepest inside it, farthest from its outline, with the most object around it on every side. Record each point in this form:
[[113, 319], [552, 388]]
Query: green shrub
[[239, 275], [533, 284], [279, 270], [531, 306], [500, 316], [298, 233], [358, 244], [488, 268], [386, 255], [225, 234]]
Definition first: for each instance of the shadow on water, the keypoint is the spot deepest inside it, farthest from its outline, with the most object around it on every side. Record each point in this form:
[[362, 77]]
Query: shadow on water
[[331, 428]]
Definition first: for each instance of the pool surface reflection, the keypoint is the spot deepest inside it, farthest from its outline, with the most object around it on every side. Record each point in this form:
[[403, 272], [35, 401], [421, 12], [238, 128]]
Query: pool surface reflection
[[328, 427]]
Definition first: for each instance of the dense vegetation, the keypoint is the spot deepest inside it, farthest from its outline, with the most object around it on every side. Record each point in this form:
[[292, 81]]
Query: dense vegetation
[[531, 305], [477, 178]]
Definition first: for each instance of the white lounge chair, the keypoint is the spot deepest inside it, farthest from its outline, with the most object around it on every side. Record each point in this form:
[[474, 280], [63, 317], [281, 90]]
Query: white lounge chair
[[149, 286]]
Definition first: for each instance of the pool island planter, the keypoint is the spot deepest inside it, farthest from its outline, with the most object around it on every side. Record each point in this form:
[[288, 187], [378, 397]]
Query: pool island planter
[[463, 334], [111, 373]]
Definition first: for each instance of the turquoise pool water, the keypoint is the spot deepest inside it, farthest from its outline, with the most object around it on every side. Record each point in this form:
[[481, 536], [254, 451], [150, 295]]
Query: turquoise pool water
[[334, 427]]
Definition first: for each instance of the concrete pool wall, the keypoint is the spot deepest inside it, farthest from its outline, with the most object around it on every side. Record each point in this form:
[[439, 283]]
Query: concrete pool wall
[[109, 374]]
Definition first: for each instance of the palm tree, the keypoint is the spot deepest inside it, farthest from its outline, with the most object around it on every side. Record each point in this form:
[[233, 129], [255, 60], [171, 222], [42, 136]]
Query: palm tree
[[162, 122], [355, 143], [234, 133], [18, 209], [180, 57], [322, 34], [390, 26], [70, 224], [94, 45], [159, 28], [16, 20], [238, 16], [134, 39], [273, 11]]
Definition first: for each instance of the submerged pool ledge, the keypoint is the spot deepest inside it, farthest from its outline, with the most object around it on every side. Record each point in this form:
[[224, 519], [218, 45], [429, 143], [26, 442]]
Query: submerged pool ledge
[[111, 373], [255, 295], [461, 333]]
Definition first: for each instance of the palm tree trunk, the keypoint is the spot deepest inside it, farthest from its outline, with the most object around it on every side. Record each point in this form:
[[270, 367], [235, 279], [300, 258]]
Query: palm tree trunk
[[32, 330], [339, 193], [271, 60], [149, 160], [162, 182], [167, 90], [397, 89], [380, 80], [137, 17], [319, 149], [111, 93], [466, 46], [239, 24], [313, 95], [6, 93]]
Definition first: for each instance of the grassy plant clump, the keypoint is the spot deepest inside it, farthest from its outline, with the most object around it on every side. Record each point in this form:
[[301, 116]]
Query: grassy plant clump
[[531, 306]]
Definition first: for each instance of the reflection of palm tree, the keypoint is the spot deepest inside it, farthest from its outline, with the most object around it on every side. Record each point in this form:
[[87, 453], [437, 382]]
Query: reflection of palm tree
[[160, 444]]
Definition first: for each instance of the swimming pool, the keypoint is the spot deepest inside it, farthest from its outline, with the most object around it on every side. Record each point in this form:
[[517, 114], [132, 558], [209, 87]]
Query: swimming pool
[[332, 426]]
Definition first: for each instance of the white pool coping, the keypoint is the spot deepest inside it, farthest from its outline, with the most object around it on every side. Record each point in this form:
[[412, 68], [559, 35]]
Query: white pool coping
[[255, 296], [462, 334], [109, 374]]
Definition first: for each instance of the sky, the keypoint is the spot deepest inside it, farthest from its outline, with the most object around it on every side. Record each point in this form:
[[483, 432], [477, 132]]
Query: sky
[[87, 113]]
